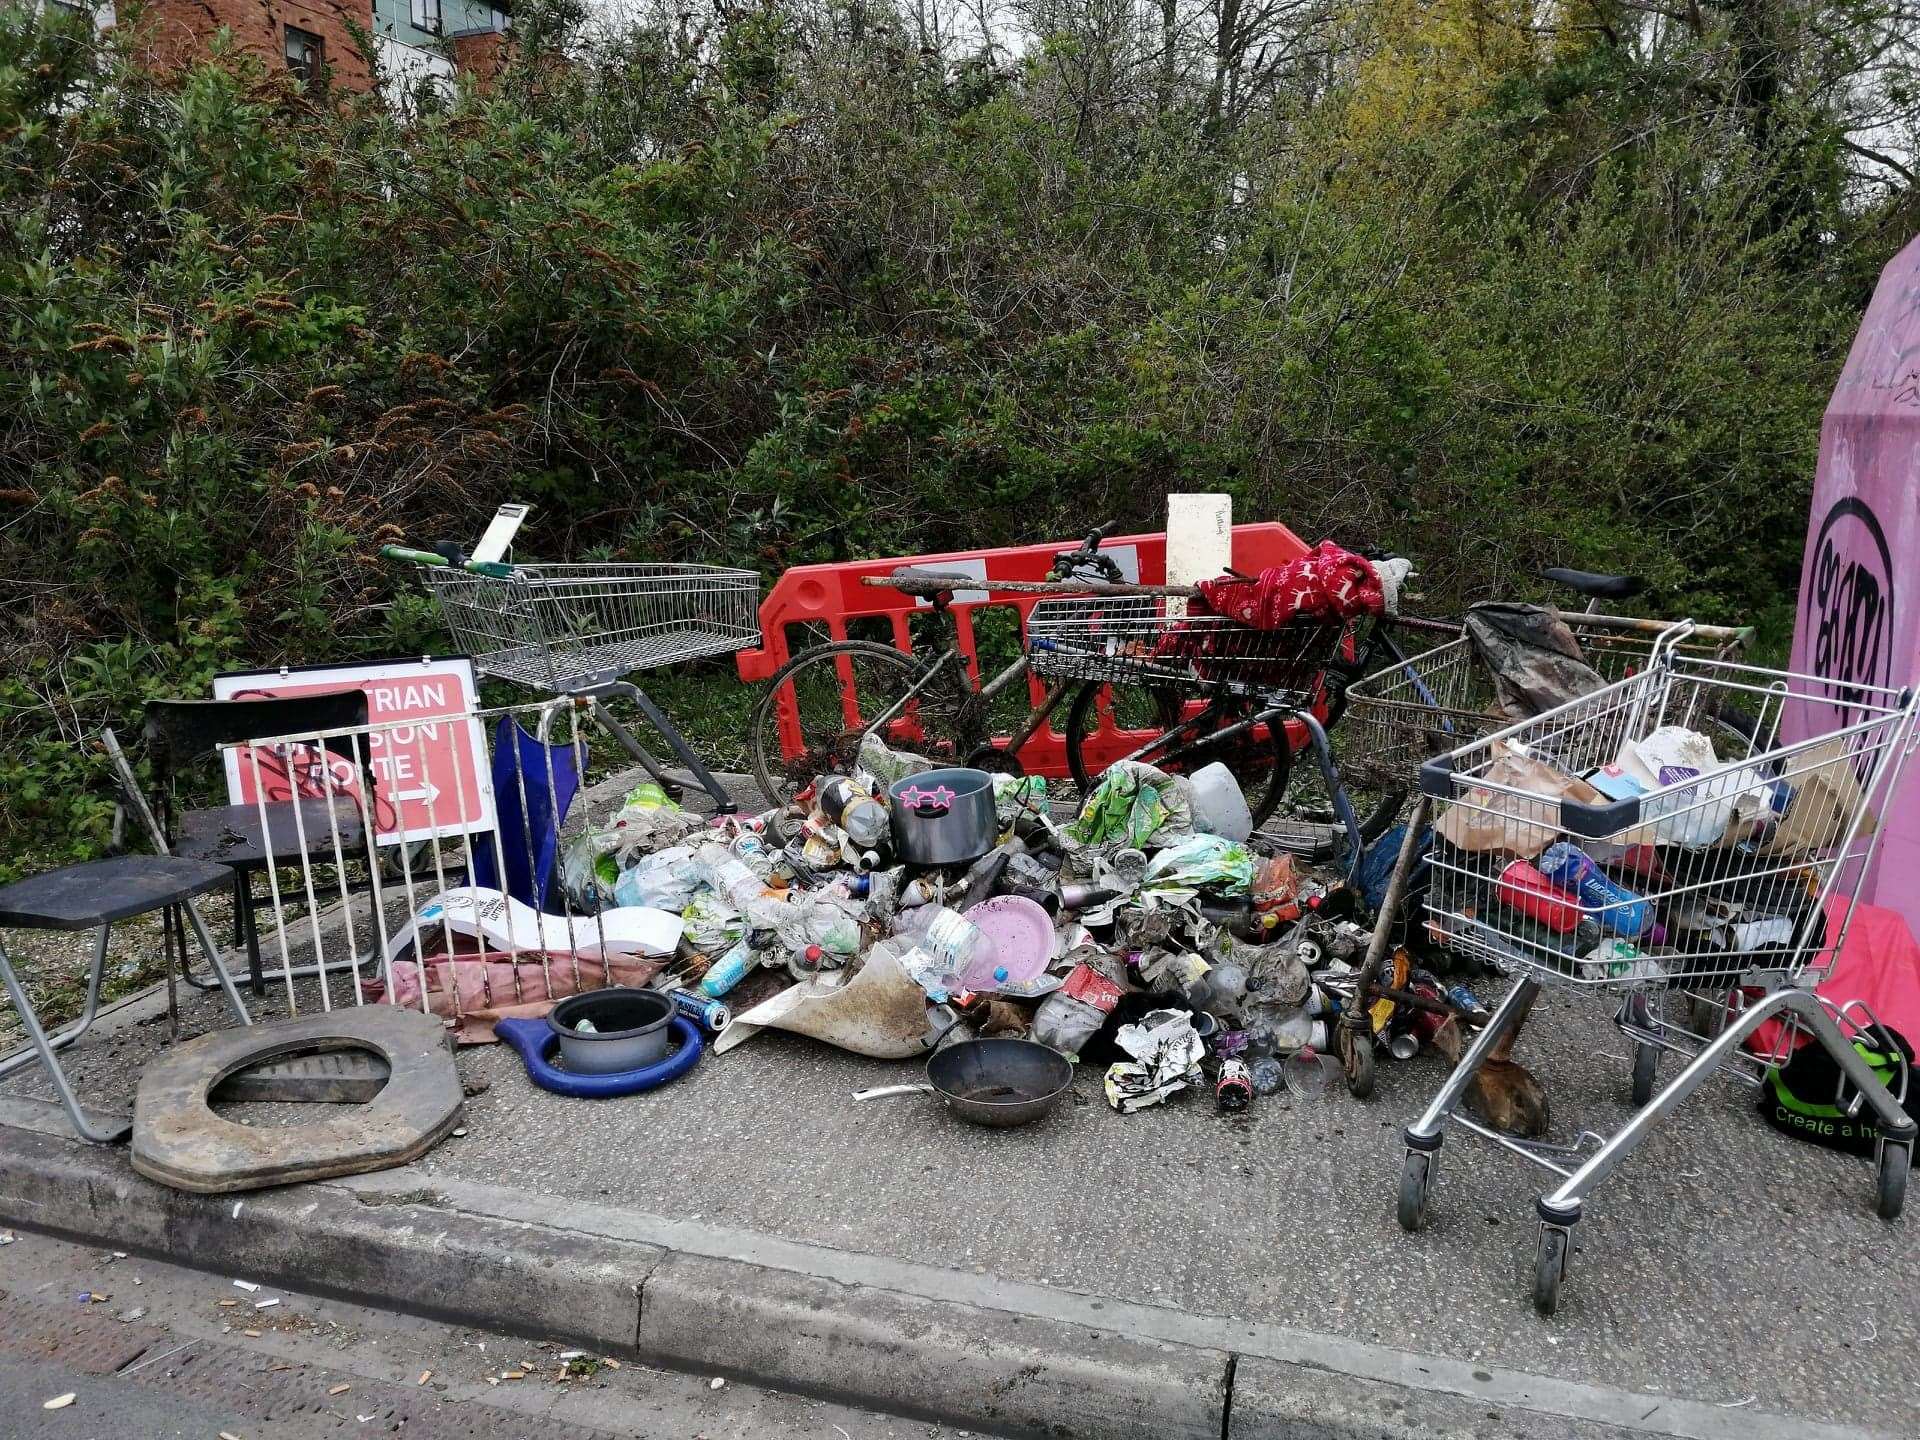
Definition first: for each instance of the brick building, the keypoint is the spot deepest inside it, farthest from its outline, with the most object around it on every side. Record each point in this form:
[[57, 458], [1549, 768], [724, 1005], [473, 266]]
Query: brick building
[[420, 45]]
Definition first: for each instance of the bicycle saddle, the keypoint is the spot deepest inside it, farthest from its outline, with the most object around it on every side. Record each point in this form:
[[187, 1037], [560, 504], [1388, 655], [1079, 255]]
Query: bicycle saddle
[[1595, 586]]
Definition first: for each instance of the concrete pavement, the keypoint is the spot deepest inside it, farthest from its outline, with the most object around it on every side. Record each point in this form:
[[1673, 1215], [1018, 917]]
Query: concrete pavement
[[1726, 1275], [1110, 1275]]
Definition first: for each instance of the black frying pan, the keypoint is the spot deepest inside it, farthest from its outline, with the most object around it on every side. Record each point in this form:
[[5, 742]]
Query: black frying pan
[[999, 1082]]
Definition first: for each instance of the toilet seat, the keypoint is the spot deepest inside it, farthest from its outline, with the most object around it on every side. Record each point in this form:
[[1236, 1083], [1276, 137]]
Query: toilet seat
[[179, 1141]]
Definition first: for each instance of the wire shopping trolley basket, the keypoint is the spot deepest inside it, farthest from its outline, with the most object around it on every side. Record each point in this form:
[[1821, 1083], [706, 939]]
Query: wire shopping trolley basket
[[568, 629], [580, 629], [1687, 842], [1410, 710]]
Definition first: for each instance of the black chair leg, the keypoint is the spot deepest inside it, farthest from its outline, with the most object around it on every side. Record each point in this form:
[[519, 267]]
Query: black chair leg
[[243, 898]]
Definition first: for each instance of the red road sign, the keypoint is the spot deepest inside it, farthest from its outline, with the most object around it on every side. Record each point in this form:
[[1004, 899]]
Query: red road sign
[[425, 749]]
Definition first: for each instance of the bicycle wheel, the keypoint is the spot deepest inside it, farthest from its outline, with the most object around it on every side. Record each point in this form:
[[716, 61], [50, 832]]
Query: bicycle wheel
[[1176, 735], [834, 694]]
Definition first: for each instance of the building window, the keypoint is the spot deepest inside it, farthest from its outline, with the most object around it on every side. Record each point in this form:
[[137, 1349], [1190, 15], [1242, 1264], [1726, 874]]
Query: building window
[[306, 56], [426, 16]]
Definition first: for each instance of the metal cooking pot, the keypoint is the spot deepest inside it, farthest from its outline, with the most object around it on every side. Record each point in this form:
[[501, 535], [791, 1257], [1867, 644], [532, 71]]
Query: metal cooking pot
[[943, 817], [999, 1082]]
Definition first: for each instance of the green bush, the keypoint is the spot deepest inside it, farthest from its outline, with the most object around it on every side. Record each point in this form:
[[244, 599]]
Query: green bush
[[778, 295]]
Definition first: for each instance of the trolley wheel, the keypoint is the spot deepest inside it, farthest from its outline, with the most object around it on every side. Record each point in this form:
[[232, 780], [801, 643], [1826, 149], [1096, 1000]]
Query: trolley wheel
[[1415, 1176], [1356, 1060], [1890, 1178], [1646, 1059], [1549, 1268]]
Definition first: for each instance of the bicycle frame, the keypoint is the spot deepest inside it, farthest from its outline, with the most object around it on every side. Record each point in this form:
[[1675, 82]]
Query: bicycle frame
[[1017, 671]]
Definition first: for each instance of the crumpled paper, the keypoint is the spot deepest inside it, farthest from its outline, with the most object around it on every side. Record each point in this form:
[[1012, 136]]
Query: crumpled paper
[[1166, 1059]]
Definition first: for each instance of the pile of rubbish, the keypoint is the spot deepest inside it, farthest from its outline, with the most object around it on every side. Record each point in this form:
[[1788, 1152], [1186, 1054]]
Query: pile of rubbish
[[900, 908]]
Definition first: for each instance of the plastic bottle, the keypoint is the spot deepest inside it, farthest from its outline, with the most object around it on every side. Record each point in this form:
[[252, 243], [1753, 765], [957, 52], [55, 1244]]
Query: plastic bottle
[[955, 941], [1220, 988], [1614, 907], [807, 964], [864, 818], [1299, 1031], [1528, 890], [1268, 1075], [729, 874], [729, 970]]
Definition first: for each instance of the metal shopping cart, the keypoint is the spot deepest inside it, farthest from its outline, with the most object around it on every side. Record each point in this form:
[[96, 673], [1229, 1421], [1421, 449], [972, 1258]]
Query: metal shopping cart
[[579, 630], [1705, 900], [1404, 713]]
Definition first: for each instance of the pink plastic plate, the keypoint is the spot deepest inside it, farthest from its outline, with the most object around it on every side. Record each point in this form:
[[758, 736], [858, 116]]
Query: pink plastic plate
[[1022, 936]]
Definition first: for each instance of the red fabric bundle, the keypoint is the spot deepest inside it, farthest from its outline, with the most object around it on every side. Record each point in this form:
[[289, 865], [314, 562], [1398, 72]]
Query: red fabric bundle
[[1327, 583]]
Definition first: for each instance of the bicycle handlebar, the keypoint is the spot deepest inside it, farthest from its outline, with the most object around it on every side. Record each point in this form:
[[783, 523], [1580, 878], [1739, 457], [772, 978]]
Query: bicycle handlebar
[[491, 568]]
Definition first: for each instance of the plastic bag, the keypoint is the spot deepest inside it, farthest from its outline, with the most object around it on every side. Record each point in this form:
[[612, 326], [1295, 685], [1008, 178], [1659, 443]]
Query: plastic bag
[[712, 923], [887, 765], [1017, 795], [591, 865], [1200, 862], [666, 879], [1134, 805], [1692, 816], [1519, 825], [1073, 1014]]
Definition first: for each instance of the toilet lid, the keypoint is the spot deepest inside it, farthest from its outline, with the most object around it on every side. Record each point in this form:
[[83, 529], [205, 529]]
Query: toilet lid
[[178, 1140]]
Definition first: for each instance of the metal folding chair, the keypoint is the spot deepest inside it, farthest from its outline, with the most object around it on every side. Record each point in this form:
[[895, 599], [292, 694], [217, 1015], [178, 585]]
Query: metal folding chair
[[98, 895]]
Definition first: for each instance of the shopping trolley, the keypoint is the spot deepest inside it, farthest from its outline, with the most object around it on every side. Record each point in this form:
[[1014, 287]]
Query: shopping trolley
[[1416, 706], [1407, 711], [1706, 899], [1217, 684], [579, 630]]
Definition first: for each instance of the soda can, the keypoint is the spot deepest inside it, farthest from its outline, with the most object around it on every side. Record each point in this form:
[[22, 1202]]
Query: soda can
[[711, 1014], [1404, 1046]]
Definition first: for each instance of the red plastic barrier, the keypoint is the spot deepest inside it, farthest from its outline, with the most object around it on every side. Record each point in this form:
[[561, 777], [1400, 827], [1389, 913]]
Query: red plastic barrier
[[832, 595]]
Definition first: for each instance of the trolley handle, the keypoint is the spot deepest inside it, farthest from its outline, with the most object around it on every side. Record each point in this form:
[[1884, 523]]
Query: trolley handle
[[491, 568]]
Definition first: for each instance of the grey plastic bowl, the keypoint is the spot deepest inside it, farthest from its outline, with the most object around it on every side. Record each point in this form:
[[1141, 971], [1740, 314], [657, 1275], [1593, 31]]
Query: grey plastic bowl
[[631, 1030]]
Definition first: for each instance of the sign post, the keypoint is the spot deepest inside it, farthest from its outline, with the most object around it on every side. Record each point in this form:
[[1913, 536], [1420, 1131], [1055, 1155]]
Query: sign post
[[1858, 623]]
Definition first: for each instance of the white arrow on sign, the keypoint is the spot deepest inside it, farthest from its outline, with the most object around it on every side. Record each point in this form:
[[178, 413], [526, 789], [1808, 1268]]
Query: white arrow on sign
[[429, 792]]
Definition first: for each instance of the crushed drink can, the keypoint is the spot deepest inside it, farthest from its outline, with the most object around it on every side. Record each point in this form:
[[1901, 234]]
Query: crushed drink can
[[710, 1014]]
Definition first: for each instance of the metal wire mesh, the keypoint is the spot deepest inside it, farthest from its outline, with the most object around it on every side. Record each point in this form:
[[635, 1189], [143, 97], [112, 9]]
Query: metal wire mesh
[[1139, 639], [1593, 847], [565, 628], [392, 910], [1407, 712]]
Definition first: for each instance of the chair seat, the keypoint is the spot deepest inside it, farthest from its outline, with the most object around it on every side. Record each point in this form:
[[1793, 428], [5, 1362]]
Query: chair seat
[[103, 892], [230, 834]]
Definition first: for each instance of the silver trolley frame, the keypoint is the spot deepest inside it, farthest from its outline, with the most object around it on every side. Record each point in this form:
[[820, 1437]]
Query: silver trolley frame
[[1732, 868], [578, 630]]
